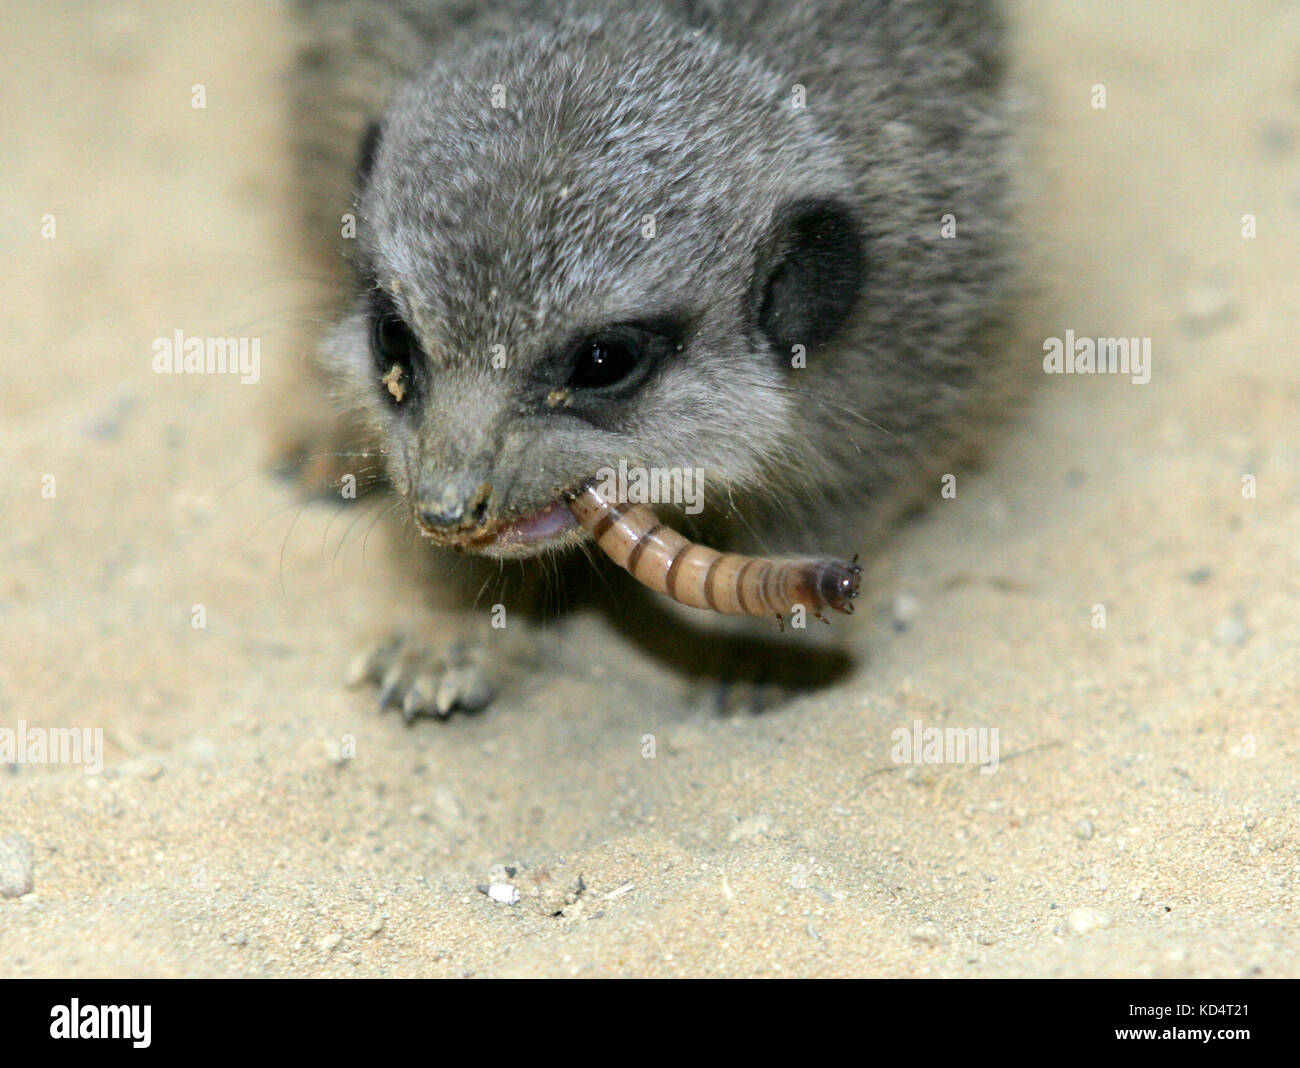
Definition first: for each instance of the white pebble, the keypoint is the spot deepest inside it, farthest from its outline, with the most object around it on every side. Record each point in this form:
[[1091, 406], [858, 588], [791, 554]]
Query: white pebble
[[15, 866], [503, 894], [1084, 920]]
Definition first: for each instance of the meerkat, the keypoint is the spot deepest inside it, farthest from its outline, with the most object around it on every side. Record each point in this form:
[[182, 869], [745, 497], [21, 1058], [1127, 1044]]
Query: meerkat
[[764, 240]]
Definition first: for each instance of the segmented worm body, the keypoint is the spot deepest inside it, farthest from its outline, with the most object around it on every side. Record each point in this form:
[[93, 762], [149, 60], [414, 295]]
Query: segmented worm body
[[662, 559]]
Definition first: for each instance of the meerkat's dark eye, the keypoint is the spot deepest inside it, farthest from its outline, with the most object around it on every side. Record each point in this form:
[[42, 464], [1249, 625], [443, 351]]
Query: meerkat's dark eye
[[396, 349], [617, 359], [394, 342], [609, 364], [605, 360]]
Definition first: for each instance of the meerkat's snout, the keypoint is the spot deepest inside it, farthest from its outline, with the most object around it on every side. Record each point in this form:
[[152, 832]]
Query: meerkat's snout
[[471, 510]]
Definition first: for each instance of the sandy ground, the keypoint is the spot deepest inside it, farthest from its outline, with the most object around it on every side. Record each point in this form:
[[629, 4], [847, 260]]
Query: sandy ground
[[1143, 818]]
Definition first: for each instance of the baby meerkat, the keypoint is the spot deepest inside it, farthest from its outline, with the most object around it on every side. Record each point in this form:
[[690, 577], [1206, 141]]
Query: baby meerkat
[[758, 240]]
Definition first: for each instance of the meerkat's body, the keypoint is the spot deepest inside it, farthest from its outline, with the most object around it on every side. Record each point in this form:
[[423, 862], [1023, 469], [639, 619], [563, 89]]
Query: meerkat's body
[[785, 221]]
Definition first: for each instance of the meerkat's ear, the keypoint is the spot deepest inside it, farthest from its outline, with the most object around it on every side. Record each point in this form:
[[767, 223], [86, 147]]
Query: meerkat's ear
[[367, 151], [809, 273]]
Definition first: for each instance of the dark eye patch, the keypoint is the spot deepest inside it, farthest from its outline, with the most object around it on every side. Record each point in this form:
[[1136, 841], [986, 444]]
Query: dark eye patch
[[616, 357], [614, 361], [396, 350]]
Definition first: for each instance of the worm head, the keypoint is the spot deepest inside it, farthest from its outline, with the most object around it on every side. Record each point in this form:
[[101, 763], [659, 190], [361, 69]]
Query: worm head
[[839, 584]]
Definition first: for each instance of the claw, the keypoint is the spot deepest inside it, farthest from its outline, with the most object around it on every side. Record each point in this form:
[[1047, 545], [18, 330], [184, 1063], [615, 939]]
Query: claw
[[463, 688], [419, 697], [390, 690], [372, 663]]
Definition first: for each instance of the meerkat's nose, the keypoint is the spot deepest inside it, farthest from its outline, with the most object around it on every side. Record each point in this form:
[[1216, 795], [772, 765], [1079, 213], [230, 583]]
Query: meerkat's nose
[[454, 507], [429, 518]]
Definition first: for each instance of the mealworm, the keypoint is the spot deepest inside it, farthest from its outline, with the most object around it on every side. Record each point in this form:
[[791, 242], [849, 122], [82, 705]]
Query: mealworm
[[662, 559]]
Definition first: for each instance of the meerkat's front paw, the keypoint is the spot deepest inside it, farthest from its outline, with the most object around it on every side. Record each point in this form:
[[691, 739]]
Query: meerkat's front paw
[[422, 680]]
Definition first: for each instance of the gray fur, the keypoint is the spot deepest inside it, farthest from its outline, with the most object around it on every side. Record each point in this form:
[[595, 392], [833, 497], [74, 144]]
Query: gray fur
[[521, 225]]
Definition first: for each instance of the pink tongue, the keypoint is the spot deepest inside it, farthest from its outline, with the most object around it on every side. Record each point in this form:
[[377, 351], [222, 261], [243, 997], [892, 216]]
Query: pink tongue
[[550, 521]]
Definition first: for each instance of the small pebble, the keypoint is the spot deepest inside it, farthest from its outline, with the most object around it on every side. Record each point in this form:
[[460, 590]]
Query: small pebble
[[15, 866], [1084, 920], [447, 807], [503, 894], [1083, 829], [903, 611], [684, 739], [1231, 631], [142, 768], [750, 827], [1207, 306], [1277, 138], [927, 934]]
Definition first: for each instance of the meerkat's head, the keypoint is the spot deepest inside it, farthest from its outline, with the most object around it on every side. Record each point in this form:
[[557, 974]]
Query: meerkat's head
[[588, 244]]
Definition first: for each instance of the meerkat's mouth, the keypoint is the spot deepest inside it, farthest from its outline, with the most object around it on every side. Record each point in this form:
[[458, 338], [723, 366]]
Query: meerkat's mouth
[[516, 535], [532, 530]]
